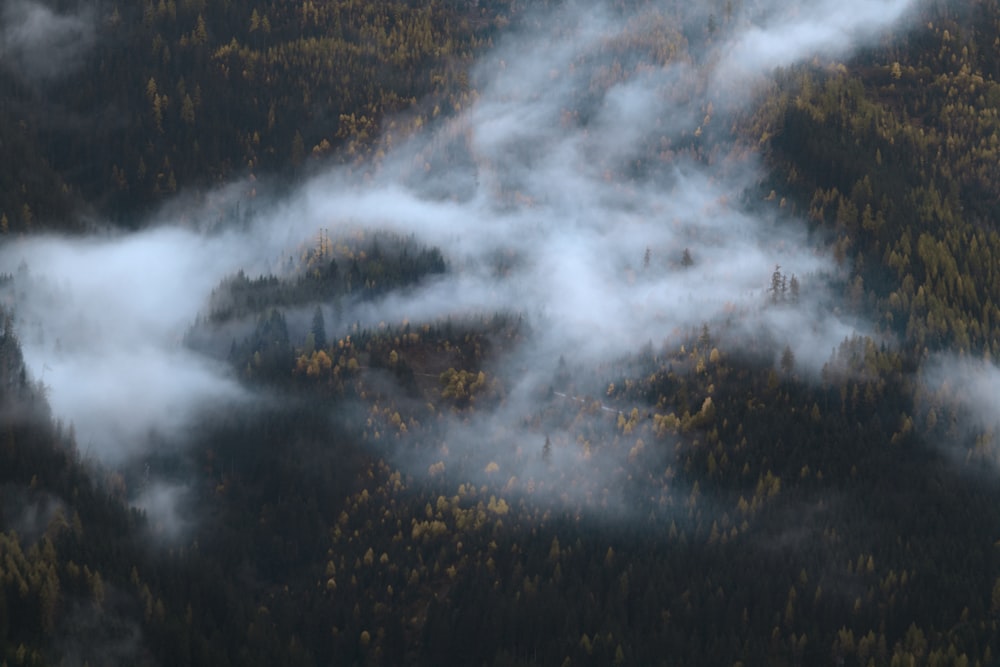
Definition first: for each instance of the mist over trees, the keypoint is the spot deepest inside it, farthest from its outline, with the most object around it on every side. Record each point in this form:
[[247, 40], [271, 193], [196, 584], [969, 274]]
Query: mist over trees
[[499, 333]]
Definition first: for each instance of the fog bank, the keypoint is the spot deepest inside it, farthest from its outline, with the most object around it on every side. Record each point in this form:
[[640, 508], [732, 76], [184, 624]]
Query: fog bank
[[596, 161]]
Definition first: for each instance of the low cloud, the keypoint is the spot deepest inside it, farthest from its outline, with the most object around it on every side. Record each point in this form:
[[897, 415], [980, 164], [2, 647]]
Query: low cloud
[[102, 322], [960, 396], [625, 222], [595, 161], [778, 35], [163, 505], [40, 43]]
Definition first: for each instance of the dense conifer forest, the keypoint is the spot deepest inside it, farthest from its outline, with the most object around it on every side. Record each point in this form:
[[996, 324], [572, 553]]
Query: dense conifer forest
[[381, 484]]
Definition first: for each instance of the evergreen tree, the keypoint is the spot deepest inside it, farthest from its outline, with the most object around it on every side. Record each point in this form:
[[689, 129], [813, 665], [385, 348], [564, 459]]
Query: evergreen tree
[[318, 329]]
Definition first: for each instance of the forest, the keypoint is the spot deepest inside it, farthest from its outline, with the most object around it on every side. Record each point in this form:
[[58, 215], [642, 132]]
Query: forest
[[499, 332]]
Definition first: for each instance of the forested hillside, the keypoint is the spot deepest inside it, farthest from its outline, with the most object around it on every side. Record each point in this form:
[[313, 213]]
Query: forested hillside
[[399, 448], [897, 157], [215, 91]]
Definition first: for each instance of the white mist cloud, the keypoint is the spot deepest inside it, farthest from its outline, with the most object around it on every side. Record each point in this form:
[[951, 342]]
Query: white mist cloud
[[586, 147], [967, 388], [570, 179], [39, 43], [162, 504], [101, 324], [580, 160], [958, 412], [784, 34]]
